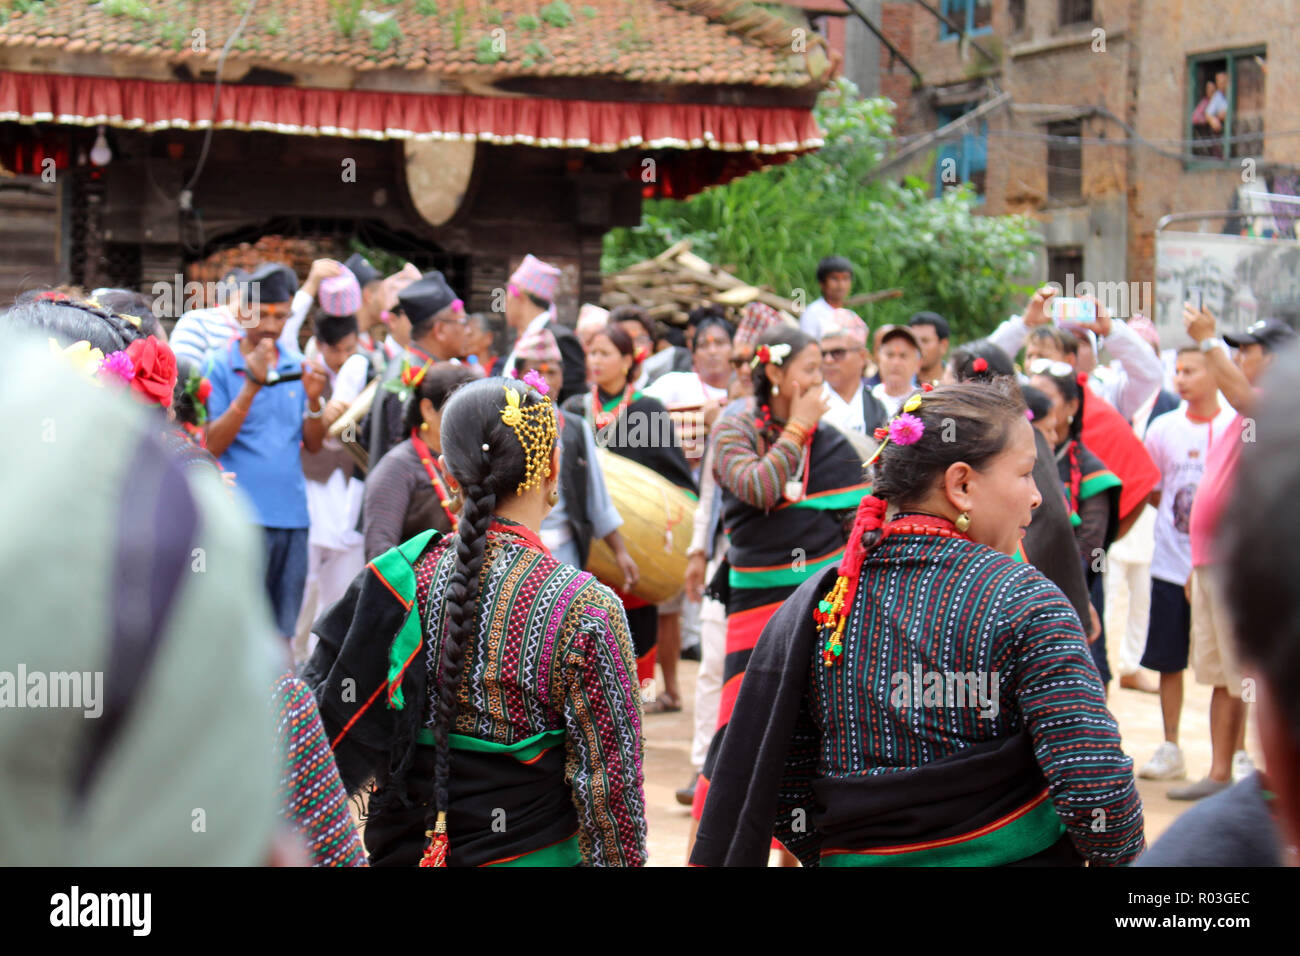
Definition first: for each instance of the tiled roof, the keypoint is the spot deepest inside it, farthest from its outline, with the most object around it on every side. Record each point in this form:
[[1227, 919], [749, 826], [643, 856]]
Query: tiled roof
[[640, 41]]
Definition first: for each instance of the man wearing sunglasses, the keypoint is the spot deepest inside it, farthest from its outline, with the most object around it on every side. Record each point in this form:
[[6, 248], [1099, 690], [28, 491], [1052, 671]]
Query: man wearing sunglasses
[[844, 362]]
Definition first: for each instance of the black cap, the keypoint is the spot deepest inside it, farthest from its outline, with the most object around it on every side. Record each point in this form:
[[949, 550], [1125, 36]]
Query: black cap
[[360, 267], [425, 297], [899, 332], [272, 282], [1270, 333]]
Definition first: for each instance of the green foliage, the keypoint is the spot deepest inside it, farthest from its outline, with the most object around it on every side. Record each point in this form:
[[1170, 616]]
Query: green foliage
[[589, 12], [132, 9], [536, 51], [27, 6], [557, 13], [174, 34], [487, 52], [527, 22], [346, 15], [493, 15], [426, 8], [273, 24], [774, 225], [384, 34], [458, 26]]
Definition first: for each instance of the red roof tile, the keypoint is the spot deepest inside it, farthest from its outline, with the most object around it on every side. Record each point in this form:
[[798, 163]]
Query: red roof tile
[[640, 41]]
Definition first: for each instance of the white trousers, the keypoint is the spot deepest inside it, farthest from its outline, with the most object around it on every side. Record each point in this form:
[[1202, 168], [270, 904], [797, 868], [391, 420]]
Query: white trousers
[[1128, 608], [329, 572]]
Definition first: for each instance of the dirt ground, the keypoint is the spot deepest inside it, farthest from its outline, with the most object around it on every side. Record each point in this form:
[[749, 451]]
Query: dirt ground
[[668, 767]]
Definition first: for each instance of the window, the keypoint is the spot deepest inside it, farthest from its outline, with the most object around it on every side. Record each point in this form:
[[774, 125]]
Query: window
[[973, 16], [1225, 118], [964, 159], [1063, 262], [1065, 161], [1074, 11], [1017, 10]]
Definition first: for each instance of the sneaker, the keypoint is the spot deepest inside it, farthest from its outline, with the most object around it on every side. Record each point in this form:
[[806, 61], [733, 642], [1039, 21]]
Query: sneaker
[[1205, 787], [686, 795], [1242, 766], [1166, 764]]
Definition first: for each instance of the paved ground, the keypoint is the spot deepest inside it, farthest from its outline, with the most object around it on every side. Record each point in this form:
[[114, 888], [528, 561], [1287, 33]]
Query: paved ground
[[668, 744]]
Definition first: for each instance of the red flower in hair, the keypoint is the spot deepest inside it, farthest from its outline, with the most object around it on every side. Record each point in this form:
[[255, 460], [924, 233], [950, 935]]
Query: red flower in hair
[[205, 389], [927, 387], [764, 354], [881, 434], [155, 369], [642, 354], [979, 365]]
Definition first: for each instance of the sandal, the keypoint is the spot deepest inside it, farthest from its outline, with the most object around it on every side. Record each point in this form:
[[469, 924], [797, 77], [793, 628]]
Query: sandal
[[662, 704]]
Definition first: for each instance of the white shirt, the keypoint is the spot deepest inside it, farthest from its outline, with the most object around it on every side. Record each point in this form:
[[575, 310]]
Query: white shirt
[[200, 330], [1178, 445], [817, 312], [684, 388], [846, 416], [892, 405], [335, 504]]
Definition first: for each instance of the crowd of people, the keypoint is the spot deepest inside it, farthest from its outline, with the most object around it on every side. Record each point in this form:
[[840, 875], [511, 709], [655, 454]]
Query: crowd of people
[[904, 561]]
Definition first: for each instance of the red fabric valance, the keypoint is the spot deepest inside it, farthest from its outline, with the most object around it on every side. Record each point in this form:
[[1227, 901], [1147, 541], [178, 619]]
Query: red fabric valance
[[582, 124]]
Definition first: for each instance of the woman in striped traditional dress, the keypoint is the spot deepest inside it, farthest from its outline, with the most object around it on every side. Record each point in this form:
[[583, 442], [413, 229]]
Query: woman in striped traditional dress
[[488, 689], [931, 701], [789, 490]]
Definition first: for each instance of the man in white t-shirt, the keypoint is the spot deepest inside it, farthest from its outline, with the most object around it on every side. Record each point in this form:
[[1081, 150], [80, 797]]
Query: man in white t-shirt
[[1178, 443], [835, 276], [844, 361], [898, 356]]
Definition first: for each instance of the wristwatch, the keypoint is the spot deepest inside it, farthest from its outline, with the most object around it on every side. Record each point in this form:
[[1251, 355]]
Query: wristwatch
[[316, 414], [1211, 343]]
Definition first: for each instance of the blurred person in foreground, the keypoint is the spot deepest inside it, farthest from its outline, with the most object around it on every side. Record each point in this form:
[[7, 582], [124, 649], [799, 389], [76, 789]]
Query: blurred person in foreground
[[173, 762], [1257, 821]]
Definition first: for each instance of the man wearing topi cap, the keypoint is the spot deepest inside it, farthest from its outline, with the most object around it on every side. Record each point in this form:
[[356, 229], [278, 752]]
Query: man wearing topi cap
[[844, 362], [898, 354], [439, 328], [530, 305]]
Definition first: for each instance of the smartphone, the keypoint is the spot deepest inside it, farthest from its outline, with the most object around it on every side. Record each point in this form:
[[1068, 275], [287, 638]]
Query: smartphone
[[272, 378], [1066, 309]]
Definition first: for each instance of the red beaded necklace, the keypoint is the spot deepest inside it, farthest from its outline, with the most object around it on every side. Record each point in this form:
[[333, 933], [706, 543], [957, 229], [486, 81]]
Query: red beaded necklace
[[599, 415], [922, 524], [435, 476]]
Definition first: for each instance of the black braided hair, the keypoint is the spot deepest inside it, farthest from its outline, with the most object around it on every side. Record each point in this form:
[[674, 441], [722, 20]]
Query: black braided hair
[[471, 419], [70, 320], [780, 334]]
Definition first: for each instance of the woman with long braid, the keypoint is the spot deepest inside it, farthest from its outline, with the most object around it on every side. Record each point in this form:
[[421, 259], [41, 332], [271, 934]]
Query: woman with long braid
[[488, 690]]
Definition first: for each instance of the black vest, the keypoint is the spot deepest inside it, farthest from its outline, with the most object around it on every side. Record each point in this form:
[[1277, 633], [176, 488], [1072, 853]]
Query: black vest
[[573, 482]]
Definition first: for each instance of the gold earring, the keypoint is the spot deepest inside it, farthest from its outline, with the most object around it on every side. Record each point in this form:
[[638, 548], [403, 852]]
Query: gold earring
[[424, 426], [553, 497], [963, 522]]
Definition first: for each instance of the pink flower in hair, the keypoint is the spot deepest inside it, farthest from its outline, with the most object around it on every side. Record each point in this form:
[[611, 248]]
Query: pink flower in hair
[[1029, 413], [906, 429], [536, 381], [118, 364]]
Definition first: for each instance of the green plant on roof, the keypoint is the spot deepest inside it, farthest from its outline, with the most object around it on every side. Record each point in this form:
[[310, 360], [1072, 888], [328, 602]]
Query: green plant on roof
[[458, 26], [346, 14], [273, 24], [27, 6], [492, 15], [132, 9], [384, 34], [589, 12], [527, 22], [174, 34], [557, 13], [536, 51], [486, 51], [426, 8]]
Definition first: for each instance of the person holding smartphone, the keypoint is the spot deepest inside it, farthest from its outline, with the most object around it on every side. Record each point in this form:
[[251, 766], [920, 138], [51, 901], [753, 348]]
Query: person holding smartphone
[[266, 404]]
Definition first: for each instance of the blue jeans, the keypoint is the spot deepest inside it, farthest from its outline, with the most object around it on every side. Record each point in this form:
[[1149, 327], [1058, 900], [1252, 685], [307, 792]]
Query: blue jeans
[[286, 575]]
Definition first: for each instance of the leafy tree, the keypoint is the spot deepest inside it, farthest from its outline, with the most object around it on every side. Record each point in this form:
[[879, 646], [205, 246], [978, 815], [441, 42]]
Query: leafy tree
[[774, 225]]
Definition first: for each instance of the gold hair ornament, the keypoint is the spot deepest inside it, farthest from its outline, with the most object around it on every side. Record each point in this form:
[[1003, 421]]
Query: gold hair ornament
[[534, 426]]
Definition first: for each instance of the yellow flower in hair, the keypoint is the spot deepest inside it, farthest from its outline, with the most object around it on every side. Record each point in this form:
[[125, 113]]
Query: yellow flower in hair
[[80, 356], [912, 404], [511, 414]]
